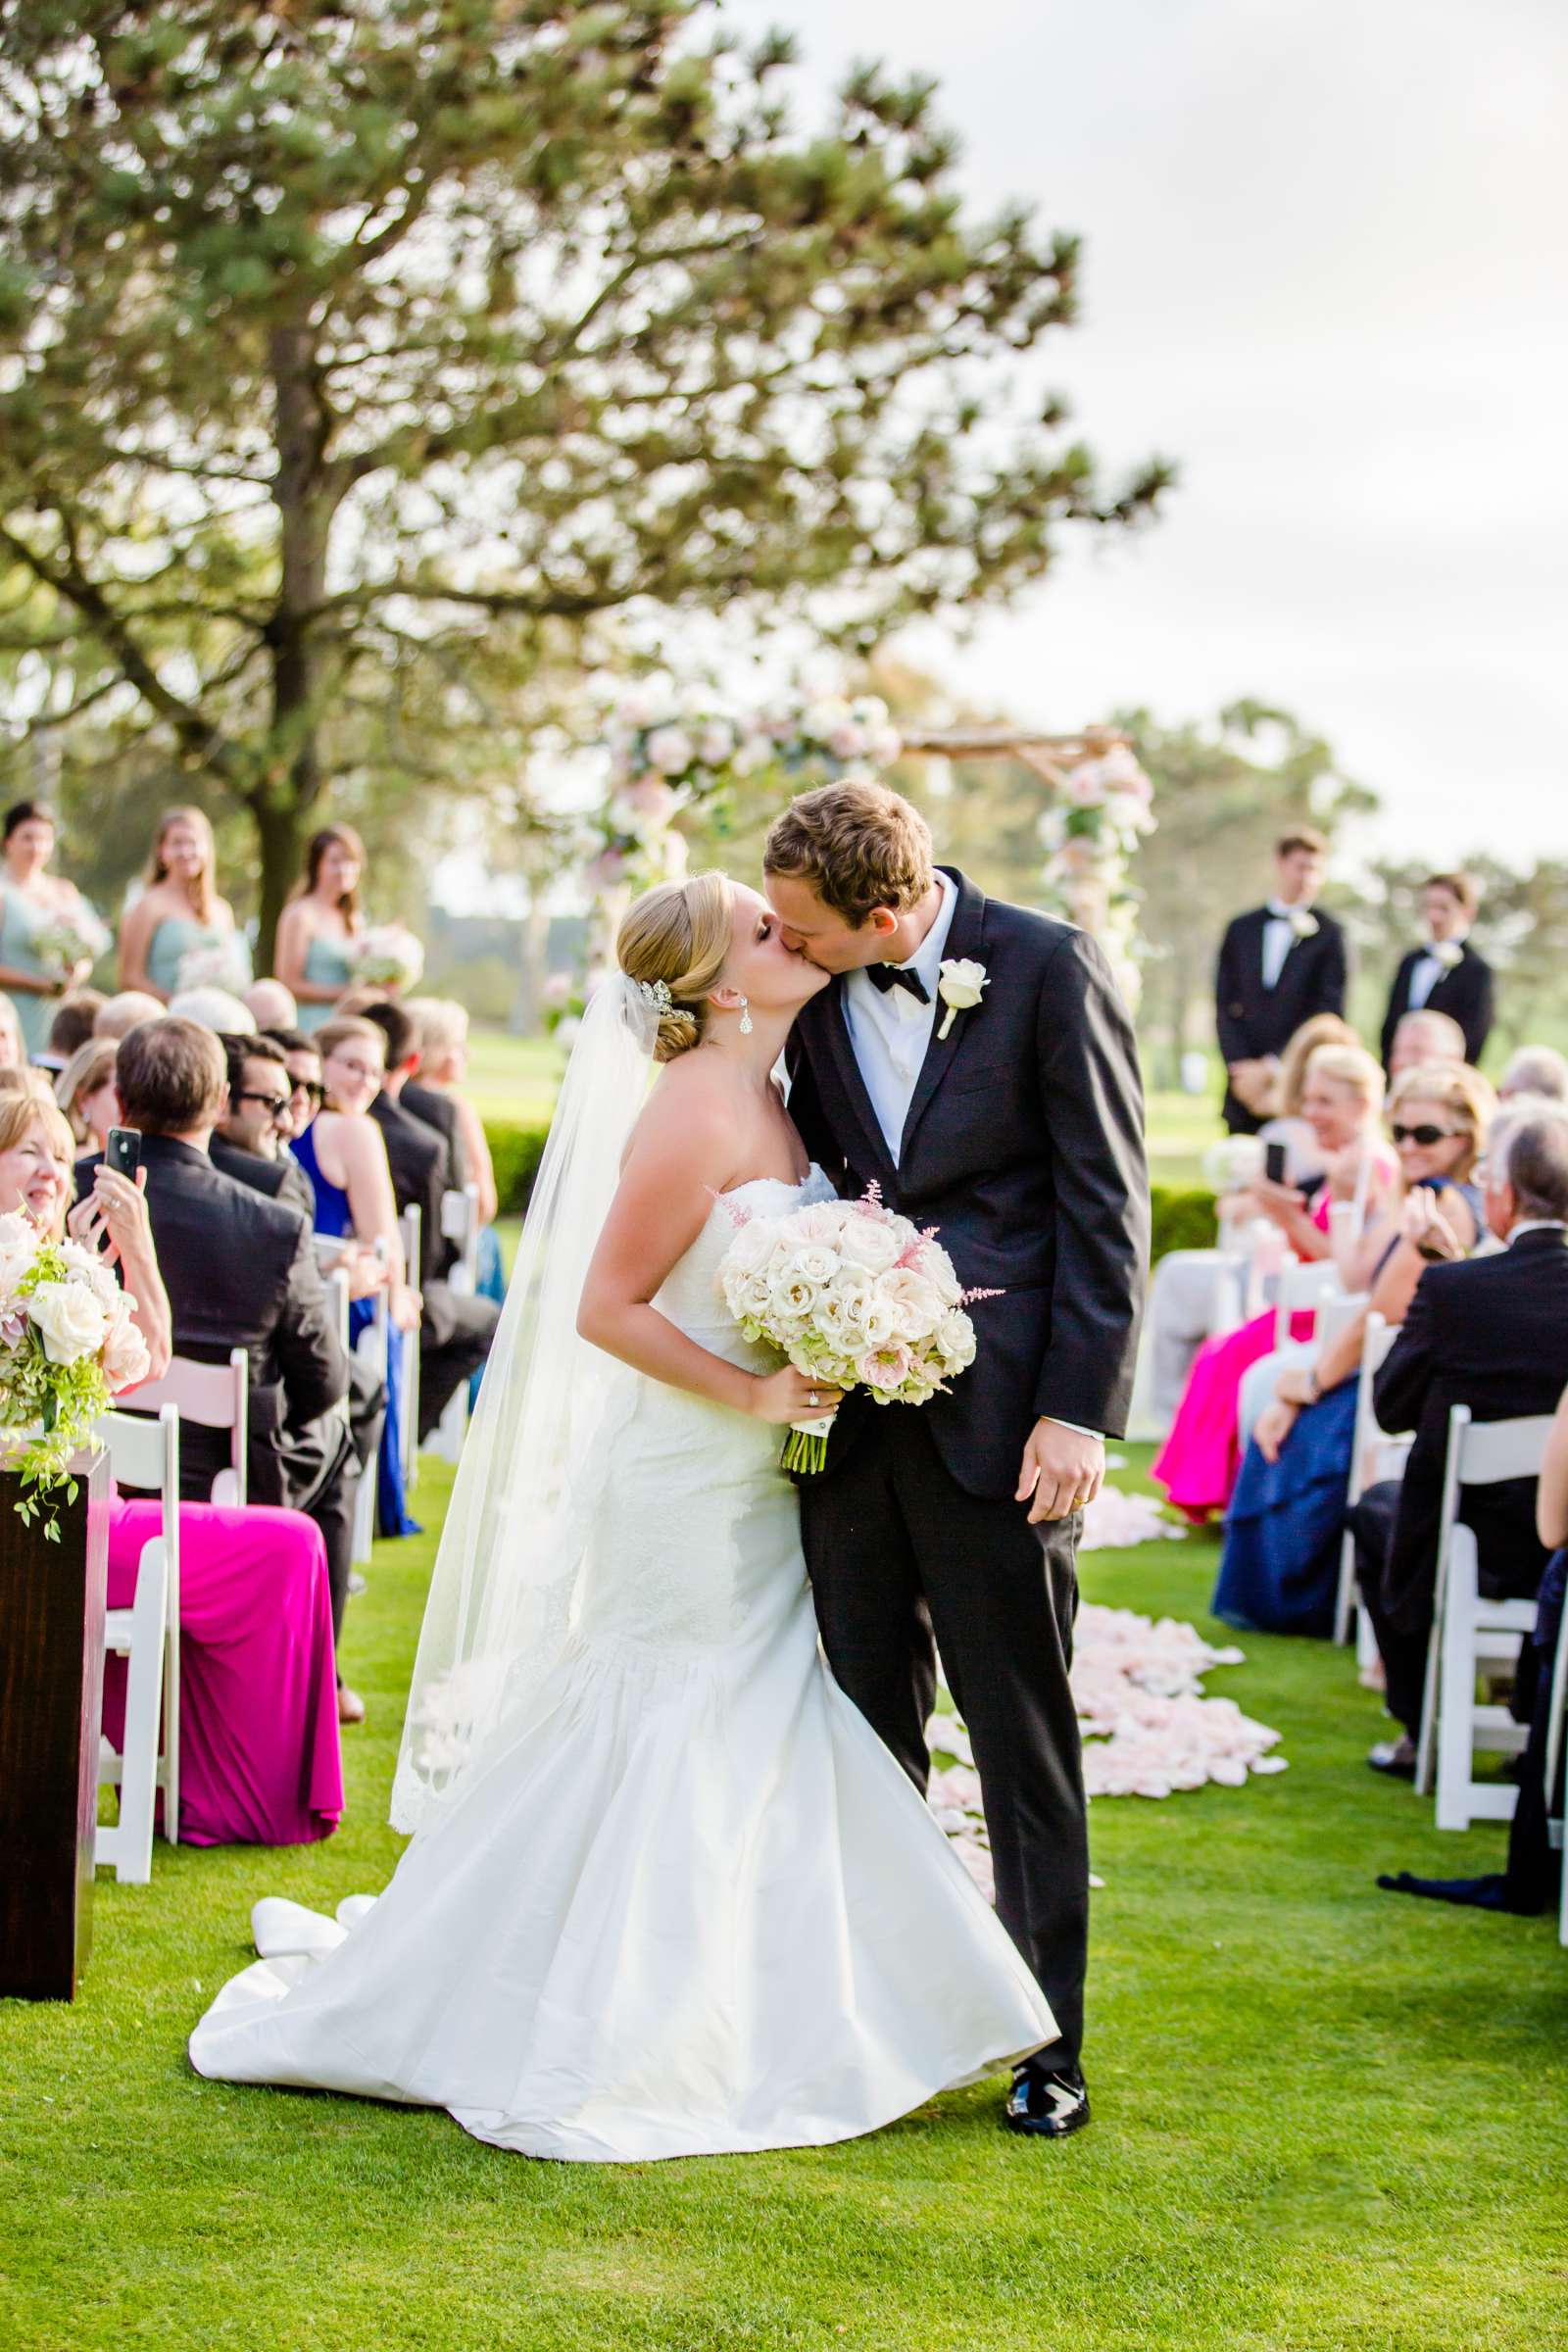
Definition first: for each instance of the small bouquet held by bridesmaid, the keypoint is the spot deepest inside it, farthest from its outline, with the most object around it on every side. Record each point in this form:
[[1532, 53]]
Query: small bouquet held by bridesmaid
[[388, 956], [66, 1345], [70, 940], [854, 1296]]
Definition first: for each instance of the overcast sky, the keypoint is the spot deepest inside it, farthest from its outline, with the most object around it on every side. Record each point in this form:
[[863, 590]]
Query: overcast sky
[[1324, 270]]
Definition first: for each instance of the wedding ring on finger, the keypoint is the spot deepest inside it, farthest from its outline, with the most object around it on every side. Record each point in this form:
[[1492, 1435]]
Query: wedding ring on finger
[[812, 1396]]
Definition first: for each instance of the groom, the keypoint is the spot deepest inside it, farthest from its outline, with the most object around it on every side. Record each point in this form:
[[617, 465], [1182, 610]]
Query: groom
[[973, 1059]]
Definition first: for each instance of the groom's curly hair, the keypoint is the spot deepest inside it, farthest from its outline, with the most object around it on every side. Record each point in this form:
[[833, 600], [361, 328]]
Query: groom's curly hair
[[859, 845]]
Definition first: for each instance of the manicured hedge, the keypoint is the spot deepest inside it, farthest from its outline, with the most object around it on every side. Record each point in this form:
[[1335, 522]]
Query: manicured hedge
[[1181, 1220]]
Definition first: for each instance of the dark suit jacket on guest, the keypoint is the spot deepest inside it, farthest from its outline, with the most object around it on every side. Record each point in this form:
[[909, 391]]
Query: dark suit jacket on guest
[[421, 1168], [281, 1179], [437, 1109], [1254, 1021], [1491, 1332], [1023, 1147], [241, 1271], [1464, 994]]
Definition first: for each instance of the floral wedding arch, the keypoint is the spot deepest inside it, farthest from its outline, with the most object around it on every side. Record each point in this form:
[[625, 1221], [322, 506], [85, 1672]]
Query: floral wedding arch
[[679, 750]]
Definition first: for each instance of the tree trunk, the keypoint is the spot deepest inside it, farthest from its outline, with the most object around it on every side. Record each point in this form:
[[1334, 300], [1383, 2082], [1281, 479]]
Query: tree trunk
[[279, 836]]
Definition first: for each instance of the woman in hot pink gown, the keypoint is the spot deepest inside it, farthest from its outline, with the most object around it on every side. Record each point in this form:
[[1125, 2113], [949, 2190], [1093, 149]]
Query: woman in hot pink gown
[[1341, 1102]]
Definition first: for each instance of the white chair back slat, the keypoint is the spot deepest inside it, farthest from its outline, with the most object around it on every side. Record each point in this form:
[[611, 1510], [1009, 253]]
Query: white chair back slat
[[1304, 1289], [213, 1396], [1556, 1729], [410, 1226], [1469, 1629], [460, 1225], [146, 1454]]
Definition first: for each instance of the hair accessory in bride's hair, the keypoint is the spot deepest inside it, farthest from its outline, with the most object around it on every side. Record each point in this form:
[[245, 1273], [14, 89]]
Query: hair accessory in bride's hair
[[656, 994]]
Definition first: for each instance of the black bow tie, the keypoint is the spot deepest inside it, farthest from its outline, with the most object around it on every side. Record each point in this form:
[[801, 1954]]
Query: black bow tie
[[897, 975]]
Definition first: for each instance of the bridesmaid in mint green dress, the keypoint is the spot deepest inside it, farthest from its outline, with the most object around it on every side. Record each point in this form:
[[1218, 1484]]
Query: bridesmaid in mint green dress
[[181, 915], [32, 898], [320, 929]]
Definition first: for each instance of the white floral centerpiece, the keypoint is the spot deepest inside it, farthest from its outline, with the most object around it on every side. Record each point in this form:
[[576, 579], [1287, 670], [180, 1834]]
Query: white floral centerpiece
[[79, 937], [854, 1296], [66, 1345], [386, 955]]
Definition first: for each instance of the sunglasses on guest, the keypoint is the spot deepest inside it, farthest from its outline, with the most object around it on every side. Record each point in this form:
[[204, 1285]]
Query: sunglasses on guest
[[1425, 1135], [281, 1106], [310, 1088]]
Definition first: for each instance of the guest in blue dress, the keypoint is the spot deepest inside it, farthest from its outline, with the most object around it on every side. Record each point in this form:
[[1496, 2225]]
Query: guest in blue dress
[[320, 929], [1280, 1566], [345, 1159], [182, 933]]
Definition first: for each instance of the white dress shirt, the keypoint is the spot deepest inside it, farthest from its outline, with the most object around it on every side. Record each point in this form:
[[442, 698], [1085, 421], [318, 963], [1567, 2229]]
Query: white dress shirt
[[1278, 934], [889, 1033], [1425, 976]]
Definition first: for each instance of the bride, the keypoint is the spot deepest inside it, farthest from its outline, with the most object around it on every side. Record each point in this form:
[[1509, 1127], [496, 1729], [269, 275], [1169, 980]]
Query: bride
[[667, 1894]]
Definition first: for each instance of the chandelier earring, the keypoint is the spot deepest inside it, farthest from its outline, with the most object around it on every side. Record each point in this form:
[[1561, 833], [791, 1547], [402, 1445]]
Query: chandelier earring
[[746, 1018]]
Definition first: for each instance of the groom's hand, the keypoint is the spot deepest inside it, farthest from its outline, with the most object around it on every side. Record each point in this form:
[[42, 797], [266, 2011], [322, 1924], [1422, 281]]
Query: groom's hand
[[1062, 1470]]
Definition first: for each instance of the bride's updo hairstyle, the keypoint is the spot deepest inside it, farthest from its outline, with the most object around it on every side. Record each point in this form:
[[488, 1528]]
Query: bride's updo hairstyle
[[679, 932]]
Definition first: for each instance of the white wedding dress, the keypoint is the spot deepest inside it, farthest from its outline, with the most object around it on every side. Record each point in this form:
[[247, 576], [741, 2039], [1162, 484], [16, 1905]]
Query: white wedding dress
[[691, 1905]]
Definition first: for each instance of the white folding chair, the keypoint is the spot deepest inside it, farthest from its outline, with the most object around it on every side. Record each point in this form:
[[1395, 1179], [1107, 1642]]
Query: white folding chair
[[145, 1454], [213, 1396], [1373, 1456], [373, 1347], [1470, 1633], [1306, 1287], [1556, 1728], [460, 1225]]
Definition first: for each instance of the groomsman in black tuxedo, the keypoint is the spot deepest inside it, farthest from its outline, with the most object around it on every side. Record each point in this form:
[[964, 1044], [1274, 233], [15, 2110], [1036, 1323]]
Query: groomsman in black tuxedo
[[1278, 966], [1444, 974]]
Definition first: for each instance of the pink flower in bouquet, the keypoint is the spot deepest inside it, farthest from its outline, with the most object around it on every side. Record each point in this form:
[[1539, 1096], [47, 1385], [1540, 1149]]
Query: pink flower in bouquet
[[886, 1367], [126, 1360]]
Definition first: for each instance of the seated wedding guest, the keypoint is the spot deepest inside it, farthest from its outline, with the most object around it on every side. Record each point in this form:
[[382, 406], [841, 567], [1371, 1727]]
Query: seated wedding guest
[[270, 1005], [85, 1091], [1184, 1287], [258, 1756], [1445, 974], [1277, 967], [1531, 1882], [1279, 1570], [1341, 1101], [21, 1078], [1423, 1038], [441, 1027], [215, 1009], [71, 1027], [13, 1051], [241, 1272], [249, 1142], [1534, 1070], [181, 932], [344, 1155], [302, 1059], [119, 1015], [1491, 1332], [455, 1329]]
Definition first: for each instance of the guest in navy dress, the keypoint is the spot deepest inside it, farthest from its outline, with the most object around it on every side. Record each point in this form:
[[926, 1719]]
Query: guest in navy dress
[[1278, 1569], [345, 1159]]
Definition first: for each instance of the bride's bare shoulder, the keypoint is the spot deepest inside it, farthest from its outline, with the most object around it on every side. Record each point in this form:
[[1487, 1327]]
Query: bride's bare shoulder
[[688, 1125]]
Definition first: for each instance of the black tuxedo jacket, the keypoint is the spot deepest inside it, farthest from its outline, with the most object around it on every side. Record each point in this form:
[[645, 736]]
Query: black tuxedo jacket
[[1464, 994], [241, 1271], [1023, 1147], [281, 1179], [421, 1173], [1253, 1020], [1491, 1332]]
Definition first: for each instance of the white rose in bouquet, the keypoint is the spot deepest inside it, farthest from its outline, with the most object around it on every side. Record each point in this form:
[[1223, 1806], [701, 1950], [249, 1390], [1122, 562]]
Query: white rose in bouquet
[[71, 1320], [127, 1361], [18, 1250], [869, 1243]]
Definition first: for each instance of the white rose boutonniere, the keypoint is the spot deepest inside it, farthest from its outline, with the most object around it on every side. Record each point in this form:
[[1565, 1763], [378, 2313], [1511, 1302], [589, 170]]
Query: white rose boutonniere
[[1448, 952], [1303, 924], [961, 984]]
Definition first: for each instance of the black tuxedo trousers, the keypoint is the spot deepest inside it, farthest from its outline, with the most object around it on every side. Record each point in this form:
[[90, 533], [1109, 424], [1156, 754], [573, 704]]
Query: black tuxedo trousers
[[905, 1564]]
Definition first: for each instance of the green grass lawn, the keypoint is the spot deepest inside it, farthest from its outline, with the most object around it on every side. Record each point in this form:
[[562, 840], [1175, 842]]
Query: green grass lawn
[[1325, 2118]]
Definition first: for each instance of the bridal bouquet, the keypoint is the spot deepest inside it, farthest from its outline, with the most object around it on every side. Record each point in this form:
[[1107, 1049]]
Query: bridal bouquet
[[66, 1345], [388, 956], [856, 1298], [70, 939]]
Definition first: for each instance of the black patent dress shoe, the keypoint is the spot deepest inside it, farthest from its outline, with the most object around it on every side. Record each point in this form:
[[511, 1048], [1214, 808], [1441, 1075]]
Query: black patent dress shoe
[[1395, 1758], [1047, 2106]]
